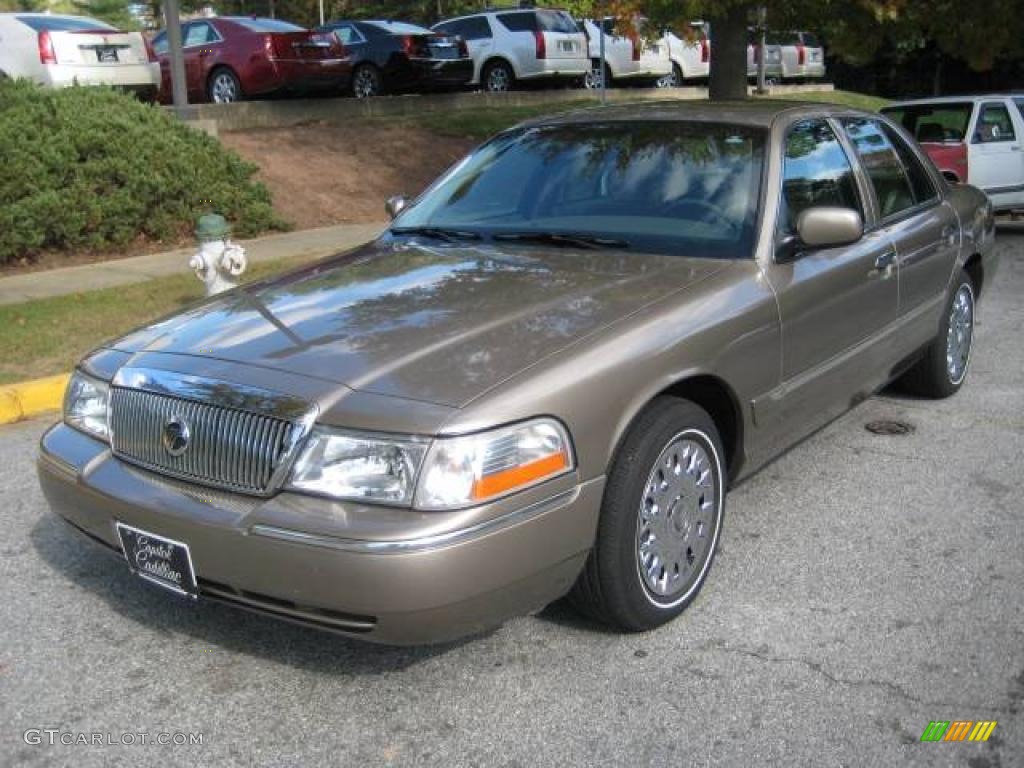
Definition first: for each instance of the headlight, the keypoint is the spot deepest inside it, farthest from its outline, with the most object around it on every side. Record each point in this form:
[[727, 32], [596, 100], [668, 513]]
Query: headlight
[[85, 405], [362, 467], [461, 471]]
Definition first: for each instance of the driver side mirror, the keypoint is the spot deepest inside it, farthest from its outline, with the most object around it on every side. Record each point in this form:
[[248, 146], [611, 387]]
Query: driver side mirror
[[821, 227], [395, 205]]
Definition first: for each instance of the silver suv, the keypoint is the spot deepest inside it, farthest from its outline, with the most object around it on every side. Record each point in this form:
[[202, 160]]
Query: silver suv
[[511, 45]]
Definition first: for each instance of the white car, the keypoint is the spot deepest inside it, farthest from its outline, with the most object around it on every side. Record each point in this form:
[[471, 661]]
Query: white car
[[801, 54], [508, 46], [626, 59], [974, 139], [60, 51], [691, 57]]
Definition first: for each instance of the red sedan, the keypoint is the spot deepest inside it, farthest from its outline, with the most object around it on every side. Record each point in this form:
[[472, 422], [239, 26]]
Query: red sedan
[[238, 57]]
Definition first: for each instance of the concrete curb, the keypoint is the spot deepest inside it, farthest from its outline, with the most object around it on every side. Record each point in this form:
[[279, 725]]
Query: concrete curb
[[28, 398]]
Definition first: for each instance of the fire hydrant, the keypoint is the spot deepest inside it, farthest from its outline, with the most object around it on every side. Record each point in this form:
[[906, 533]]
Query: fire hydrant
[[219, 261]]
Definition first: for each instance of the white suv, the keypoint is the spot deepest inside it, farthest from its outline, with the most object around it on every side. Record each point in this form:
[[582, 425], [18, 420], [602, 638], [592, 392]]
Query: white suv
[[691, 57], [511, 45], [625, 59]]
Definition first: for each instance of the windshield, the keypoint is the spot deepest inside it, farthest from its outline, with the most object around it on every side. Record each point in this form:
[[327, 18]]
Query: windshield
[[933, 122], [664, 187]]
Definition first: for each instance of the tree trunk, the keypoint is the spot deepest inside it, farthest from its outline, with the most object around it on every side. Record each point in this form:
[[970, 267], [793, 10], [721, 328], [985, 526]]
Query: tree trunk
[[728, 77]]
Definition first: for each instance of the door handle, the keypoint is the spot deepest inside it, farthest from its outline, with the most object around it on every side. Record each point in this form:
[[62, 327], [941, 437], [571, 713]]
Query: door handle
[[883, 265], [949, 234]]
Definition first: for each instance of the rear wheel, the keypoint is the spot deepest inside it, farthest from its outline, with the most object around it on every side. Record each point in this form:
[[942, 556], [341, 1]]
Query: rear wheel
[[660, 519], [367, 82], [223, 86], [498, 77], [942, 370], [673, 80]]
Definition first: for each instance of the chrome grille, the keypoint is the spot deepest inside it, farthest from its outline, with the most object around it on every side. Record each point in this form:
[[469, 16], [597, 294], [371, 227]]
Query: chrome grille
[[229, 448]]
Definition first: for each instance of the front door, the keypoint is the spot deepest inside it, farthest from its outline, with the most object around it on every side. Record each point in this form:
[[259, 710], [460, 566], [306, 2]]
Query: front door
[[995, 155], [199, 42], [834, 303]]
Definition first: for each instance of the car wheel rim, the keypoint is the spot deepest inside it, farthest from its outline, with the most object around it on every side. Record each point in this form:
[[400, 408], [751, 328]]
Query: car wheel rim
[[959, 334], [679, 518], [224, 89], [497, 79], [592, 79], [366, 84]]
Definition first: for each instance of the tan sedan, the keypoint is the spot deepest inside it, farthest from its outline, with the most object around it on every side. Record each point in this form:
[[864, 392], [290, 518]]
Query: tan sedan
[[540, 381]]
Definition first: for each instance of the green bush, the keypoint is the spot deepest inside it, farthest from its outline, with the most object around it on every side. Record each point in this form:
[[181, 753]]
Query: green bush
[[94, 168]]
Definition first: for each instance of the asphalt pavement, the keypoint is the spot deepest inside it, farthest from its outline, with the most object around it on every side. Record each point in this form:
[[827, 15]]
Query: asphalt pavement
[[866, 585]]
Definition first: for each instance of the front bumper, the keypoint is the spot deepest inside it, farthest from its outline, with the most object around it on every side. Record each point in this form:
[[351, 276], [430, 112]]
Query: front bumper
[[295, 557]]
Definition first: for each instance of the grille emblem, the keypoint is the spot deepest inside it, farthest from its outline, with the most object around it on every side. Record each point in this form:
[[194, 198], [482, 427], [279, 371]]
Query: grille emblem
[[176, 435]]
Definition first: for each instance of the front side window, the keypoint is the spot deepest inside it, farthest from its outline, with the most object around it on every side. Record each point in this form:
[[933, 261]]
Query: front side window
[[675, 188], [474, 28], [816, 173], [887, 174], [994, 124], [199, 33]]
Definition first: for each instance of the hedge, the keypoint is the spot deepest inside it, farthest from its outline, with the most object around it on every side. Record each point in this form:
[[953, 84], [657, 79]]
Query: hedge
[[94, 168]]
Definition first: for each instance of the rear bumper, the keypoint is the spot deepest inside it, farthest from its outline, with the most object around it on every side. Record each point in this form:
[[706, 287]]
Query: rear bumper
[[420, 589], [557, 68], [131, 76]]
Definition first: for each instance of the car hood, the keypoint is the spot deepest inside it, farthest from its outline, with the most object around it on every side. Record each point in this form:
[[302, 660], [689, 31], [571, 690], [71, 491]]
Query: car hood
[[441, 325]]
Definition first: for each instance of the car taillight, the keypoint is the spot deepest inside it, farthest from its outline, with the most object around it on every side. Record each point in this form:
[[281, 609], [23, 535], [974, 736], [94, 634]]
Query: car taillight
[[542, 49], [463, 49], [414, 46], [705, 52], [46, 53], [801, 55]]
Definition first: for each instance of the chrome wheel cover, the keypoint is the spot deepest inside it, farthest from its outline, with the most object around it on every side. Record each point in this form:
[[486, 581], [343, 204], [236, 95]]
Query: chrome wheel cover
[[225, 89], [592, 79], [679, 518], [366, 83], [959, 334], [498, 79]]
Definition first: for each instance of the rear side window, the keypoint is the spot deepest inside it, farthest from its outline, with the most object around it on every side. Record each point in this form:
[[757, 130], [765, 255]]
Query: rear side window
[[920, 182], [888, 177], [63, 23], [556, 21], [519, 22], [160, 45], [817, 172], [994, 124], [1020, 107], [198, 33], [348, 34]]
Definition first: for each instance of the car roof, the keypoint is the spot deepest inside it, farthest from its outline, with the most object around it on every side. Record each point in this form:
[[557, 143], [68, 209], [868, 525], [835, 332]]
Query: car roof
[[754, 112], [955, 99]]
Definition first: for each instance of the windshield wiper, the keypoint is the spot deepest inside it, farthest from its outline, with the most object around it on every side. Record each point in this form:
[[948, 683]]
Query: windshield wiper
[[437, 233], [565, 239]]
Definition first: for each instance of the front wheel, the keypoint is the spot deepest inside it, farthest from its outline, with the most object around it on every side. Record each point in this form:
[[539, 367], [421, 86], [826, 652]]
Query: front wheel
[[942, 370], [660, 519], [367, 82], [498, 77]]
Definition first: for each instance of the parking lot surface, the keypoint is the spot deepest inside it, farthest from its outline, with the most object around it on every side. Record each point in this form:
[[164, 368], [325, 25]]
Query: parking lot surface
[[866, 585]]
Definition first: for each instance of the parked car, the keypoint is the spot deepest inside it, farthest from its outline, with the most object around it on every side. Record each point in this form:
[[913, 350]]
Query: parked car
[[973, 139], [801, 55], [513, 46], [395, 56], [691, 57], [628, 58], [541, 379], [59, 51], [772, 57], [229, 58]]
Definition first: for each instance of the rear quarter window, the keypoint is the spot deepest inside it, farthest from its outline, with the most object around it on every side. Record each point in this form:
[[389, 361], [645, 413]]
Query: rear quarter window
[[519, 22]]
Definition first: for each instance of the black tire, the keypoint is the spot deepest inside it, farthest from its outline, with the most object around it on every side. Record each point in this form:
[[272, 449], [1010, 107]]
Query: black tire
[[934, 375], [498, 77], [367, 82], [592, 81], [677, 76], [223, 87], [611, 587]]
